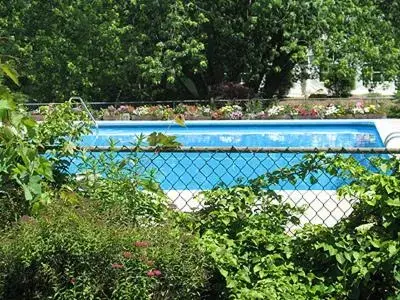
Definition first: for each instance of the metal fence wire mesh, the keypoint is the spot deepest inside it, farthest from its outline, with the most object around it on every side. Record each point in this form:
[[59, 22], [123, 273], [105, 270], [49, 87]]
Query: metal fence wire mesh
[[184, 173]]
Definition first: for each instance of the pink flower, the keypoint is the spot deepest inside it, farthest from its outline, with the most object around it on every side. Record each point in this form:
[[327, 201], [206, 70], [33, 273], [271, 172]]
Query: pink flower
[[142, 244], [26, 219], [154, 273], [359, 104], [127, 254], [117, 266]]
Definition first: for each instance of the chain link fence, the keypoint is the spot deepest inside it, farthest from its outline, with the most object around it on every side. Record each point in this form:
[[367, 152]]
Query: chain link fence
[[184, 173]]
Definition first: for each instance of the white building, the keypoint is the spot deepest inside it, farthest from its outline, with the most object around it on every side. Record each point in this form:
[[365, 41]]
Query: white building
[[314, 86]]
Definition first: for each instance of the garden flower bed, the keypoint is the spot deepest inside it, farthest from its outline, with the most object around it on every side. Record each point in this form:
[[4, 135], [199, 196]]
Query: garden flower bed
[[237, 112], [253, 110]]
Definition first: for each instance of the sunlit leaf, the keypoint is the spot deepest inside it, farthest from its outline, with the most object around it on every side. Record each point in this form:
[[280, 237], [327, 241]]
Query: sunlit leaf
[[10, 72], [157, 139], [180, 120]]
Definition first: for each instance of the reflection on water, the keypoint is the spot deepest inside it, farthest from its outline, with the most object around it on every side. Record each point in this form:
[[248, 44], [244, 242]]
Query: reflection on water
[[251, 135], [356, 140]]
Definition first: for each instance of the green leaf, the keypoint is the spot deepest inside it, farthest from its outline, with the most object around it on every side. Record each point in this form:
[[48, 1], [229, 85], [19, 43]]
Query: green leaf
[[257, 268], [223, 272], [34, 185], [313, 179], [364, 228], [27, 192], [157, 139], [11, 73], [392, 250], [340, 258], [29, 122], [393, 202], [7, 104]]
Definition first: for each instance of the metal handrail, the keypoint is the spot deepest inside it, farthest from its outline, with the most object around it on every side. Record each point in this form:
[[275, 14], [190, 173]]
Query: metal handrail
[[88, 112], [391, 136]]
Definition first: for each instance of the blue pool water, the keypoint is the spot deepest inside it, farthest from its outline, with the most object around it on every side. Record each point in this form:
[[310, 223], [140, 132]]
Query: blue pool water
[[245, 134], [202, 171]]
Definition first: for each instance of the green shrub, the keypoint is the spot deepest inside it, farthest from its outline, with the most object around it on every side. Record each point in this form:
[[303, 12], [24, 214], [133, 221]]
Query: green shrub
[[340, 81], [243, 230], [394, 112], [69, 252], [119, 187], [362, 252], [26, 174]]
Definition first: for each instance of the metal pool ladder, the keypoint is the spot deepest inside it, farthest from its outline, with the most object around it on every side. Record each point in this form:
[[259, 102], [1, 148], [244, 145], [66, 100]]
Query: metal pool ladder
[[75, 98], [391, 136]]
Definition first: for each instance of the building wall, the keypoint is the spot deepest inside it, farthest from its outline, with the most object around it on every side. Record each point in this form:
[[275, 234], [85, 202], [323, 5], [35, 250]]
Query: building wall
[[314, 86]]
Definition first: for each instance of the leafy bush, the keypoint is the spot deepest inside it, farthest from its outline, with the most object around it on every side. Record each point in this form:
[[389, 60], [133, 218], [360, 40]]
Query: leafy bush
[[120, 187], [26, 173], [243, 230], [70, 252], [340, 82], [362, 252], [394, 112]]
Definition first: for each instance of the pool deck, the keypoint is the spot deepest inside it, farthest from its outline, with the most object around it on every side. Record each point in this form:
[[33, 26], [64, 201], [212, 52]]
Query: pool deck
[[322, 207]]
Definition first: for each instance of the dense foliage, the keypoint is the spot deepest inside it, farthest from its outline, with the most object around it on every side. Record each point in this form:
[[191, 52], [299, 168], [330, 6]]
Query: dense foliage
[[106, 230], [113, 50], [244, 231], [110, 233], [105, 234], [27, 175], [72, 252]]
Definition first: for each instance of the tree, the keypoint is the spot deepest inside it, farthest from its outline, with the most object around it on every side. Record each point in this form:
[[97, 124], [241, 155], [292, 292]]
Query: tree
[[100, 49], [125, 50], [268, 43]]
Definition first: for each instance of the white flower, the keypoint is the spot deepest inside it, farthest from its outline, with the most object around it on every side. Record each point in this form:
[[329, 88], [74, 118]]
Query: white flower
[[141, 111], [237, 108], [331, 110], [206, 110], [358, 110], [275, 110]]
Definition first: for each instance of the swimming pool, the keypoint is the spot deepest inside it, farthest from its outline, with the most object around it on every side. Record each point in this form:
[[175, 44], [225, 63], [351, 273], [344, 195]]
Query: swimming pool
[[204, 170], [244, 133]]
